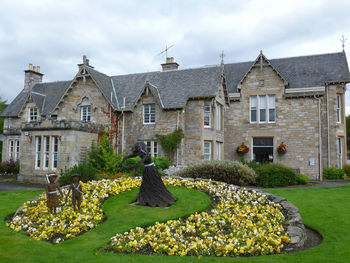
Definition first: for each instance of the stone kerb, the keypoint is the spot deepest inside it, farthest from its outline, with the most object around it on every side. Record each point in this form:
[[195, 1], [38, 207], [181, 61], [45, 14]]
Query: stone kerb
[[294, 223]]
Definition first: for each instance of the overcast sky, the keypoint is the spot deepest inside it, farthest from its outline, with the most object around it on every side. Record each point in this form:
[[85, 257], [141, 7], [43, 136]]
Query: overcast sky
[[126, 36]]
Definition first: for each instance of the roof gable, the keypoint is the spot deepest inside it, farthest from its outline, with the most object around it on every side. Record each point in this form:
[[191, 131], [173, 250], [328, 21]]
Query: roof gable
[[261, 61]]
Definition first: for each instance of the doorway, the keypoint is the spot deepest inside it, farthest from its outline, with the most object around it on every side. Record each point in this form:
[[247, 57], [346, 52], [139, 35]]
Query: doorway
[[263, 149]]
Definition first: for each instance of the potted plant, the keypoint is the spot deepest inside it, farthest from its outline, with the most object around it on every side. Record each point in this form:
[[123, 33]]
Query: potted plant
[[282, 149], [242, 149]]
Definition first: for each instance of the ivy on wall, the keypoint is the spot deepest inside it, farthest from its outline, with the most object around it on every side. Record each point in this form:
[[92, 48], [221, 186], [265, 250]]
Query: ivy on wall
[[170, 142]]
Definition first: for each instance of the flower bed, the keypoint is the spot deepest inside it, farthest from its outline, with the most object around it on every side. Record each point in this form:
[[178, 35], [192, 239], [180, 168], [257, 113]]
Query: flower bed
[[39, 224], [243, 223]]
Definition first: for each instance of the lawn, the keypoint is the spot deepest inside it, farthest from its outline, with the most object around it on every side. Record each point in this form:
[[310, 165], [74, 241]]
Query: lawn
[[324, 209]]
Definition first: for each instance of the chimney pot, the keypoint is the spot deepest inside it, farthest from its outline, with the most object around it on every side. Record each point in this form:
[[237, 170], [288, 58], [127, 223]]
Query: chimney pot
[[30, 66], [38, 69], [170, 64], [34, 68]]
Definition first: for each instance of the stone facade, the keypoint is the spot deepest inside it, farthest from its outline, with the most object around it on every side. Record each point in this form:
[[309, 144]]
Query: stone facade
[[296, 124], [215, 119]]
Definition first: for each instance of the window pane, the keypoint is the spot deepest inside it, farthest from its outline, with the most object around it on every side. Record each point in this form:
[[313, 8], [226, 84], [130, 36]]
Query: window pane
[[253, 115], [271, 101], [262, 102], [272, 115], [262, 115], [207, 113], [253, 101]]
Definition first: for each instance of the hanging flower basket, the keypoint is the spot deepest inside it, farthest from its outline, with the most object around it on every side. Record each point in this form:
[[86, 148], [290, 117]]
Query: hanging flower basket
[[242, 149], [282, 149]]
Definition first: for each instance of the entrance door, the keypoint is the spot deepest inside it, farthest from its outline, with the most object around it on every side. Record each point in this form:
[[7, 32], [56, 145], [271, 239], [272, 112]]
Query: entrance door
[[263, 149]]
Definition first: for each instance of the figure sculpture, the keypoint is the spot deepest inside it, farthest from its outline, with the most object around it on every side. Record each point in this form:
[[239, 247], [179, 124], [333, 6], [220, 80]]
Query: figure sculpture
[[152, 191], [52, 199], [76, 190]]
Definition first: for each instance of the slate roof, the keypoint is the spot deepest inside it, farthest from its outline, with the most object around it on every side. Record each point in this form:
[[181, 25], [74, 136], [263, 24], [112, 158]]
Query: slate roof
[[45, 95], [173, 88], [300, 72]]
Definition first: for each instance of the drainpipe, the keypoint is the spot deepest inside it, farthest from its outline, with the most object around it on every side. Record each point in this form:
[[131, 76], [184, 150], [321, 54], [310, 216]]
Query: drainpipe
[[123, 129], [319, 139], [328, 145], [177, 127]]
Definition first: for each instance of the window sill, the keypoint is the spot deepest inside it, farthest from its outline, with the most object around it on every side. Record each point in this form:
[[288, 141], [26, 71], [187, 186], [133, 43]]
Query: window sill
[[153, 123]]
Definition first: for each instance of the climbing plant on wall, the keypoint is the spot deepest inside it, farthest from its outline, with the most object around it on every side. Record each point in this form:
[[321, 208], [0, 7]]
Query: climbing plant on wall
[[170, 142]]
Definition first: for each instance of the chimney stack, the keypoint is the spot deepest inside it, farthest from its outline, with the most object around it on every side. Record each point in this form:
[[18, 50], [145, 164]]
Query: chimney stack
[[170, 64], [85, 63], [31, 76]]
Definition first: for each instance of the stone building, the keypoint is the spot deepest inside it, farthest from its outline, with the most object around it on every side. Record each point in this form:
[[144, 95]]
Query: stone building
[[298, 101]]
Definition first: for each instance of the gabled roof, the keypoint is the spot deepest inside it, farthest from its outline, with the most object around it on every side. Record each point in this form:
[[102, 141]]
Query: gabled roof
[[299, 72], [45, 95], [15, 107], [174, 87]]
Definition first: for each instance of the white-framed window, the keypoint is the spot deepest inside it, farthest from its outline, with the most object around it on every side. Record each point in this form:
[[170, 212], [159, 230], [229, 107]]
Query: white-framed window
[[37, 152], [46, 152], [262, 109], [54, 158], [218, 116], [33, 114], [340, 152], [152, 148], [218, 150], [253, 108], [13, 150], [85, 113], [207, 150], [149, 113], [207, 114], [339, 106], [272, 108]]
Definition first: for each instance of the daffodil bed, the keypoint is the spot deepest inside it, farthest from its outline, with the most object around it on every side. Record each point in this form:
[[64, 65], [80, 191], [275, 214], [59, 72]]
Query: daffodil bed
[[244, 222]]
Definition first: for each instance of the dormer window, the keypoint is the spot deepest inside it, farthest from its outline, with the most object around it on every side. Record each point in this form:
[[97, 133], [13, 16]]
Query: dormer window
[[86, 113], [33, 114]]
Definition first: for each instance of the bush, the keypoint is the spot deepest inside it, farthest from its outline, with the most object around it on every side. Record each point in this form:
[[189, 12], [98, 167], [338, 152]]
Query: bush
[[162, 163], [273, 175], [9, 167], [231, 172], [302, 179], [86, 170], [2, 168], [346, 169], [333, 173], [252, 164]]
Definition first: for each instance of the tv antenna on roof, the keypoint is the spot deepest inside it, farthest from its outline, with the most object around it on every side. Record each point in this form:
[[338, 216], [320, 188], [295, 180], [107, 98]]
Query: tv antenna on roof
[[165, 51], [343, 40]]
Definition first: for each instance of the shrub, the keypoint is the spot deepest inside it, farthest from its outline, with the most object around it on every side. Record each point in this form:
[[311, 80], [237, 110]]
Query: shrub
[[162, 163], [10, 167], [333, 173], [252, 164], [346, 169], [302, 179], [273, 175], [231, 172], [86, 170], [2, 168]]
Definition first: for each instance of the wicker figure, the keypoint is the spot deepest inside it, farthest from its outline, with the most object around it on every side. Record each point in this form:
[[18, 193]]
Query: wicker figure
[[77, 191], [52, 189], [152, 191]]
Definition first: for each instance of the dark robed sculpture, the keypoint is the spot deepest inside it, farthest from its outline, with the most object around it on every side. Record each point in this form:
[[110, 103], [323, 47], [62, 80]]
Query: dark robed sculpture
[[153, 191]]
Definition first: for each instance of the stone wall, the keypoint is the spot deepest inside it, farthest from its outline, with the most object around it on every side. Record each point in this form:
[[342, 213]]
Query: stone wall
[[166, 121], [296, 123]]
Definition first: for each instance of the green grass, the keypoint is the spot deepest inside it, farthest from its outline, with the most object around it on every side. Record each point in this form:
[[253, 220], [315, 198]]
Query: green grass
[[324, 209]]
